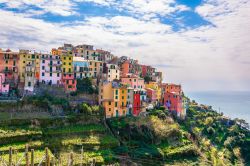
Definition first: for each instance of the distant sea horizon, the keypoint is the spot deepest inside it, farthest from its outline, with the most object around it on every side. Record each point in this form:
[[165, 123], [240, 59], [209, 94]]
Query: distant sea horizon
[[233, 104]]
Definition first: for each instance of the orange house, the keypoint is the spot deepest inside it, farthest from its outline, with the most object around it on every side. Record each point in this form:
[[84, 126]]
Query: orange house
[[9, 66], [125, 68]]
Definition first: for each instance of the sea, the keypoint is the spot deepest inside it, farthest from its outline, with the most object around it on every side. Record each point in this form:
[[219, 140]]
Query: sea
[[233, 104]]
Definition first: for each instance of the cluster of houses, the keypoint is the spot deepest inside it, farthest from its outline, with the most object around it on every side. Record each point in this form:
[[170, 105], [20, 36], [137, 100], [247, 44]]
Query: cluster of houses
[[125, 86]]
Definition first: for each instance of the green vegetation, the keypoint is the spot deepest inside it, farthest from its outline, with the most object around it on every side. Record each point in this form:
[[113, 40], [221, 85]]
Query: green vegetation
[[205, 137], [221, 140], [76, 129], [61, 136], [154, 139], [85, 86]]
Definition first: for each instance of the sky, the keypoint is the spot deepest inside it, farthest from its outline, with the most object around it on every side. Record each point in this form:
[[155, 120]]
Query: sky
[[202, 44]]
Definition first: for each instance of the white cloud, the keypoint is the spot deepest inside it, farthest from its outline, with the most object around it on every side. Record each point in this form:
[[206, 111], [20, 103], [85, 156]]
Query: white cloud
[[58, 7], [209, 57]]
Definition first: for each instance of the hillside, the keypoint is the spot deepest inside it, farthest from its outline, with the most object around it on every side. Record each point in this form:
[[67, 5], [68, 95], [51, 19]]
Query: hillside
[[155, 138]]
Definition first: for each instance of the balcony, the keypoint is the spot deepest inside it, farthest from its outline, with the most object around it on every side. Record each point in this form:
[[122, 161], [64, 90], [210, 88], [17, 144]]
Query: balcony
[[53, 71], [7, 71], [54, 64], [30, 68]]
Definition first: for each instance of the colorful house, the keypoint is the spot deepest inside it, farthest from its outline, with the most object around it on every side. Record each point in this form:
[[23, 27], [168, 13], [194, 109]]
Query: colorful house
[[27, 58], [133, 81], [9, 66], [136, 103], [50, 69], [29, 69], [81, 67], [123, 100], [4, 87], [68, 78], [173, 102], [105, 56], [125, 68], [95, 68], [29, 78], [111, 72], [151, 95], [115, 98], [155, 86], [130, 100]]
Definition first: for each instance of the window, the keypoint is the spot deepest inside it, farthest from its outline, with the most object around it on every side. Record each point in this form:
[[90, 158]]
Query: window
[[122, 97], [42, 74], [116, 91], [109, 109], [116, 97], [50, 74], [134, 80], [29, 84], [109, 102], [116, 104], [58, 74], [23, 61], [43, 67], [6, 62]]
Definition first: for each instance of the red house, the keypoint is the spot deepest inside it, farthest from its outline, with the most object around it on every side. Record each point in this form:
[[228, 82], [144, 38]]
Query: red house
[[173, 102], [144, 70], [137, 103], [69, 82]]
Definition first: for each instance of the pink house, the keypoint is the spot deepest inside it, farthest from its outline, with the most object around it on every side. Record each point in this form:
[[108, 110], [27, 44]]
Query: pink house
[[50, 69], [133, 81], [69, 82], [151, 95], [173, 102], [4, 88]]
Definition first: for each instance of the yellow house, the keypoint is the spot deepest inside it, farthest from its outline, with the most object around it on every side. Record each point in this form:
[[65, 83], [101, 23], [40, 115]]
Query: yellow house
[[155, 86], [26, 58], [123, 100], [109, 108], [113, 97], [67, 63], [95, 68]]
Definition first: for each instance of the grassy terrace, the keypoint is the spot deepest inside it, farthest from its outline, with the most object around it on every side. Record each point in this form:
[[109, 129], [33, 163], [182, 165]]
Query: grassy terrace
[[61, 136], [76, 129], [39, 155], [92, 140]]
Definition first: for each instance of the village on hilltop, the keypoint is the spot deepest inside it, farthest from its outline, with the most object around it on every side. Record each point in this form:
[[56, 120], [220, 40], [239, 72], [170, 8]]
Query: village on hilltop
[[125, 87]]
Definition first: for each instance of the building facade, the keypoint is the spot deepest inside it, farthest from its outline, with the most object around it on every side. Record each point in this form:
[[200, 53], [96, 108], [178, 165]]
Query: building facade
[[50, 69]]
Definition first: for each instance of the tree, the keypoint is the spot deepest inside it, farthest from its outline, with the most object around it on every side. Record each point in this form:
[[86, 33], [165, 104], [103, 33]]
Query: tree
[[147, 79], [210, 130], [85, 85], [86, 109]]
